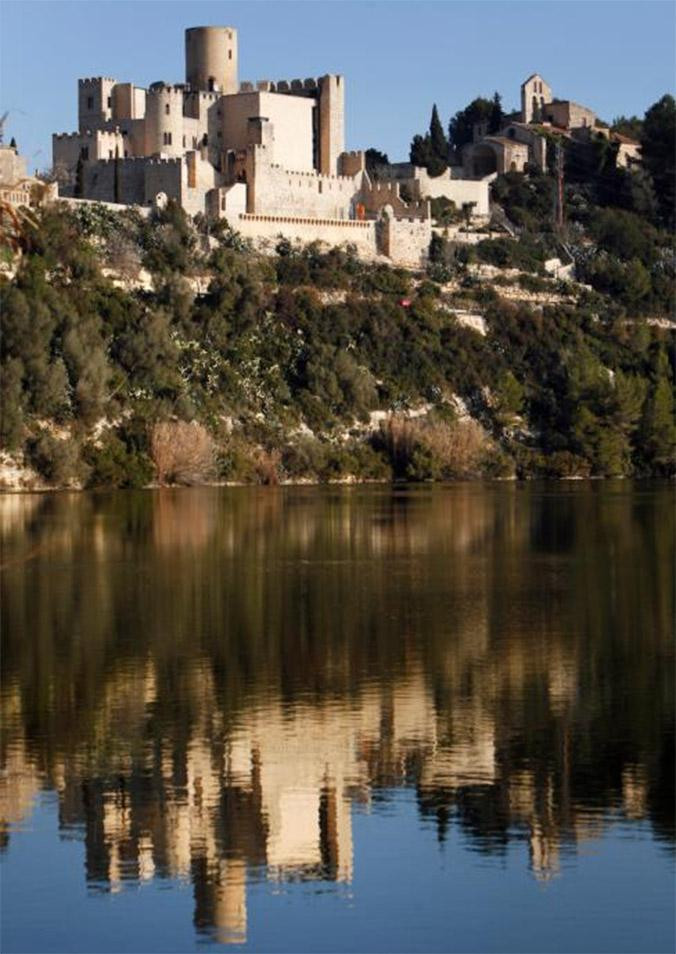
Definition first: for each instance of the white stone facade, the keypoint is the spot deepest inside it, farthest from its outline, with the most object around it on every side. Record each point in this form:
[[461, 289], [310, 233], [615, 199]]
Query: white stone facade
[[269, 157]]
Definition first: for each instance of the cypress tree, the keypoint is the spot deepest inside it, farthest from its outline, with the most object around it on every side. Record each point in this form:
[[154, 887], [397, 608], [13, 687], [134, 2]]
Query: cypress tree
[[438, 140], [496, 114]]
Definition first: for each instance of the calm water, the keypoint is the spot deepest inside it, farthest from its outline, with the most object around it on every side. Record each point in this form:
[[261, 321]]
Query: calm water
[[429, 719]]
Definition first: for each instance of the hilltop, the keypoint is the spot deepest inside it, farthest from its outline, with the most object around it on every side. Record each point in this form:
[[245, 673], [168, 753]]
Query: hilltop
[[138, 350]]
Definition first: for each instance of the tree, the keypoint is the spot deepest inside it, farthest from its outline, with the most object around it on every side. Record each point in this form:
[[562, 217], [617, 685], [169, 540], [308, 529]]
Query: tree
[[461, 126], [496, 117], [658, 428], [630, 126], [375, 159], [658, 152], [431, 151], [438, 140]]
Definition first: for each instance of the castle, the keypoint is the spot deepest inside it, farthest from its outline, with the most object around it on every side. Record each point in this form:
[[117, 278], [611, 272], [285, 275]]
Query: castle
[[268, 157]]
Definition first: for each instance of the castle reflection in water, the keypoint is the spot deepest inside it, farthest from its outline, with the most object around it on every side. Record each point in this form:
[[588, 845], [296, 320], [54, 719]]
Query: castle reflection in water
[[214, 682]]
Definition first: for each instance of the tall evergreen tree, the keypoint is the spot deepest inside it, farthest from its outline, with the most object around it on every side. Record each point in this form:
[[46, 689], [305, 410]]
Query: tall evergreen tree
[[496, 115], [438, 140]]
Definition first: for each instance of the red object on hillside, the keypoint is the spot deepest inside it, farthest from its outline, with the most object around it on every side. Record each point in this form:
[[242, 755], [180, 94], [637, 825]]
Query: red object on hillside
[[405, 302]]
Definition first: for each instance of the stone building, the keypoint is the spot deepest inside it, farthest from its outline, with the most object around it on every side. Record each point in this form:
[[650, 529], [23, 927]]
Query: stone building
[[17, 187], [522, 141], [268, 157]]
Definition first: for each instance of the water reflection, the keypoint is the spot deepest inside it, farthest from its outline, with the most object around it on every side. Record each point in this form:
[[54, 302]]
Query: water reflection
[[214, 682]]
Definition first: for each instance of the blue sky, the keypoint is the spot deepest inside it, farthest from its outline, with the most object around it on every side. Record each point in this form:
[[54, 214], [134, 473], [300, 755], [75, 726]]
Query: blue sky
[[397, 57]]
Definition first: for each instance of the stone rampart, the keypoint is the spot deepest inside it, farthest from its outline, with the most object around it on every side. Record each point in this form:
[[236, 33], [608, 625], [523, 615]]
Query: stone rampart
[[333, 232], [303, 193]]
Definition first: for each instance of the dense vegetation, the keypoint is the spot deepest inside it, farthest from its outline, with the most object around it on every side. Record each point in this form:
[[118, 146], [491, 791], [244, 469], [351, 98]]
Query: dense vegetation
[[137, 349], [283, 359]]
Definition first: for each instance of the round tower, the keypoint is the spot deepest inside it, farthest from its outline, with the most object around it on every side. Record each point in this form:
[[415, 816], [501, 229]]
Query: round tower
[[211, 58], [164, 120]]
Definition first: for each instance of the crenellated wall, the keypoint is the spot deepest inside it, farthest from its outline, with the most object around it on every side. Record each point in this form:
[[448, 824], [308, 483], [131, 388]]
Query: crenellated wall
[[273, 188], [405, 241], [94, 101], [377, 195]]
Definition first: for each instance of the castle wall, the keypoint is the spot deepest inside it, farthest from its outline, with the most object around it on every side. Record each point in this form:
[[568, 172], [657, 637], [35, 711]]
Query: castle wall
[[298, 192], [198, 178], [268, 228], [290, 116], [461, 191], [165, 175], [98, 180], [376, 196], [405, 241], [68, 148], [227, 202]]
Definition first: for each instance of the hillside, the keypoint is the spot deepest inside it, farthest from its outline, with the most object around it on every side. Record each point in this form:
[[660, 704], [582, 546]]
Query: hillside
[[136, 351]]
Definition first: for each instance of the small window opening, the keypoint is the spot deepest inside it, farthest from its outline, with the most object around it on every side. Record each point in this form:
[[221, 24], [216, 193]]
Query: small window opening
[[167, 108], [90, 102]]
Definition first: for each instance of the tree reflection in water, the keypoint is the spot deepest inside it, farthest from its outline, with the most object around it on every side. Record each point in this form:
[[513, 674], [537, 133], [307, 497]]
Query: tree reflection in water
[[214, 680]]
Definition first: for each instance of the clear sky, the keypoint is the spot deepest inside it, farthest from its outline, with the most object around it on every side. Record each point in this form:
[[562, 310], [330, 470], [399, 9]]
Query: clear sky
[[398, 57]]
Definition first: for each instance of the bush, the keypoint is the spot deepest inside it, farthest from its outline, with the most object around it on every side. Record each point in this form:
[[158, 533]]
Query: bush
[[433, 449], [57, 459], [113, 464], [182, 452]]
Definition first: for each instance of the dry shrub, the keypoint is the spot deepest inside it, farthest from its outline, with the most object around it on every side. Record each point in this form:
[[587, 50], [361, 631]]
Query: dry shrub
[[183, 453], [433, 449], [267, 466], [460, 447]]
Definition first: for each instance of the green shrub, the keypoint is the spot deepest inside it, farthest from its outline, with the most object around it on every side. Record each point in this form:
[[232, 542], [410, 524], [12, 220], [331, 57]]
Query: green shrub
[[113, 463], [56, 459]]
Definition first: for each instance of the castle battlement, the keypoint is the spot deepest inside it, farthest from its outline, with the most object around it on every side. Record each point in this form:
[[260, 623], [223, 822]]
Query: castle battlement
[[143, 160], [310, 84], [175, 89], [92, 80], [308, 173], [88, 134]]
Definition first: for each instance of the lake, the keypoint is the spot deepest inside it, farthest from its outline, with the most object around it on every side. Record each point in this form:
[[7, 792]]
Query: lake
[[433, 718]]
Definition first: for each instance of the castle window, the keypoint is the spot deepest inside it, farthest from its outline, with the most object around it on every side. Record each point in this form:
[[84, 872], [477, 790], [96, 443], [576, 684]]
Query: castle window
[[194, 142], [126, 154], [184, 142], [229, 54], [110, 102], [219, 133], [110, 153], [320, 187], [167, 108], [90, 102], [167, 139], [84, 152]]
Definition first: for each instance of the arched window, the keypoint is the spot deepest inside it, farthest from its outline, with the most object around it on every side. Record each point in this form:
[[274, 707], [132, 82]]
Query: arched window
[[167, 108]]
